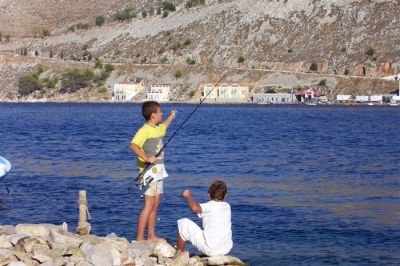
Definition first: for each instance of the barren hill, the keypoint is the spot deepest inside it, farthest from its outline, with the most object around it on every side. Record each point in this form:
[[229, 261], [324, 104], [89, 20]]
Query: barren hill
[[355, 37]]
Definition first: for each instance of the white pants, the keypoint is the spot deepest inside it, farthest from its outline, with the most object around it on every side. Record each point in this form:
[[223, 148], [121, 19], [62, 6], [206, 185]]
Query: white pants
[[190, 231]]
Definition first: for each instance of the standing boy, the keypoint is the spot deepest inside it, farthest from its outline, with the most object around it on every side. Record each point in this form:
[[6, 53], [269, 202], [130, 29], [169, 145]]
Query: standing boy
[[146, 144], [216, 236]]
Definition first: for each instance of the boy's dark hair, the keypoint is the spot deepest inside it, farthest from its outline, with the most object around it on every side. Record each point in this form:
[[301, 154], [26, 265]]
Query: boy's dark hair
[[218, 190], [149, 108]]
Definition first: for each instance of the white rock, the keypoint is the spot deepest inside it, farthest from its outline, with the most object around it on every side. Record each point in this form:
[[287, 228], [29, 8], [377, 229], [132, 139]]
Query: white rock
[[24, 257], [221, 260], [182, 259], [84, 263], [29, 243], [5, 241], [66, 238], [6, 253], [7, 230], [141, 248], [35, 229], [118, 243], [144, 261], [17, 237], [163, 249], [49, 263], [100, 255], [42, 253], [17, 263]]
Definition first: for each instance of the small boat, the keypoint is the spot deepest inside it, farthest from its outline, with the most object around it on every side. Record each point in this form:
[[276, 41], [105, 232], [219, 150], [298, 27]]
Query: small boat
[[311, 104]]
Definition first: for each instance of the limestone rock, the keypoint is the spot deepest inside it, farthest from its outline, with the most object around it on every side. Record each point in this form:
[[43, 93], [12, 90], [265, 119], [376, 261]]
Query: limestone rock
[[182, 259], [29, 243], [6, 253], [65, 238], [42, 253], [84, 263], [222, 260], [35, 229], [5, 241], [24, 257], [7, 230], [118, 243], [100, 255], [163, 249], [49, 263], [17, 237], [17, 263], [141, 248]]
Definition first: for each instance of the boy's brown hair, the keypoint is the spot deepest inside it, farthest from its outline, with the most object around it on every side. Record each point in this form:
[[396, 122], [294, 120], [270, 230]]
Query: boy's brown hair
[[149, 108], [218, 190]]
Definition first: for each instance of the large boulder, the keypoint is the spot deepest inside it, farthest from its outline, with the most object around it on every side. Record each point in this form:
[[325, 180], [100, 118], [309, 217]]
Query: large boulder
[[35, 229], [163, 249], [100, 255], [224, 260], [42, 253], [5, 241], [66, 238]]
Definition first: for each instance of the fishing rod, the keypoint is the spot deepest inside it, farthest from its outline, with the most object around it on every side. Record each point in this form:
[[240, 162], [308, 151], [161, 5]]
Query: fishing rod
[[139, 179]]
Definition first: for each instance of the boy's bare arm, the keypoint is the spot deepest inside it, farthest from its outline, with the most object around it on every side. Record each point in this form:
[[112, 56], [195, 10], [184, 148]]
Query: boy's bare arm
[[170, 118], [196, 208], [136, 150]]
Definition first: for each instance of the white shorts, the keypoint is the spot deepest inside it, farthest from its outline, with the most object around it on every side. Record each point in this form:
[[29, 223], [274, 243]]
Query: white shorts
[[156, 188]]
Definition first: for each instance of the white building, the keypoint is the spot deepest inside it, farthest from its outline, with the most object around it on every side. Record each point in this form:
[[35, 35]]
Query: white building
[[126, 91], [343, 98], [362, 98], [376, 98], [226, 92], [159, 93], [273, 98]]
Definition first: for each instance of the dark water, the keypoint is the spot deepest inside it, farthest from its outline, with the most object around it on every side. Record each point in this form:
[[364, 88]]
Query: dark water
[[307, 185]]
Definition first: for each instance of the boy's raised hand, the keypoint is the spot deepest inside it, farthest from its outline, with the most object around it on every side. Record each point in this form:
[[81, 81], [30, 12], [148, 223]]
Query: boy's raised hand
[[187, 193], [173, 114]]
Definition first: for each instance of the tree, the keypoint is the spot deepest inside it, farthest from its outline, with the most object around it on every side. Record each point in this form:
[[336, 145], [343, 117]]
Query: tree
[[178, 74], [74, 80], [346, 72], [240, 59], [8, 37], [290, 50], [36, 53], [51, 54], [28, 84], [62, 54], [314, 67], [168, 6], [100, 20]]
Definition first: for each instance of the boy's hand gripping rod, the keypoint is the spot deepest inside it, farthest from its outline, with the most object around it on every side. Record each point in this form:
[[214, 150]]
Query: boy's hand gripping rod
[[139, 179]]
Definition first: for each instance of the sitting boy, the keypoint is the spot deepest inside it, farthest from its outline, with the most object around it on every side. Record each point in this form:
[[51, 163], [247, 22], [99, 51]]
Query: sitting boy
[[216, 238]]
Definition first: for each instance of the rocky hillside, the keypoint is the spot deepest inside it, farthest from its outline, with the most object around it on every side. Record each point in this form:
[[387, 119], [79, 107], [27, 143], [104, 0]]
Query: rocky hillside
[[337, 37]]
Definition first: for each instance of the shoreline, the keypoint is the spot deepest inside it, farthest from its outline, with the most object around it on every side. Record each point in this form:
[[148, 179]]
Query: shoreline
[[49, 244]]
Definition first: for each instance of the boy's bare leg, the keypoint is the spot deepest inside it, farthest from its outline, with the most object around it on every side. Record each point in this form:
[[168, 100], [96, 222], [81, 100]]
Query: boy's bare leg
[[144, 216], [153, 219], [180, 243]]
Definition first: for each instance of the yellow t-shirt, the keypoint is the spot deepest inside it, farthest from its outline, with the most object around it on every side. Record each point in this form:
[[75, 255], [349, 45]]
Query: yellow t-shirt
[[150, 141]]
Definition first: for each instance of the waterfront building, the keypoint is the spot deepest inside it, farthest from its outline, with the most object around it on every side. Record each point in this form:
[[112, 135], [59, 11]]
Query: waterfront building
[[362, 98], [376, 98], [159, 93], [273, 98], [126, 91], [343, 98], [226, 92]]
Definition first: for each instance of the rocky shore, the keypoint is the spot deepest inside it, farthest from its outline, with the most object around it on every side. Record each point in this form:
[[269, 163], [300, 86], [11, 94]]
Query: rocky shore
[[52, 245]]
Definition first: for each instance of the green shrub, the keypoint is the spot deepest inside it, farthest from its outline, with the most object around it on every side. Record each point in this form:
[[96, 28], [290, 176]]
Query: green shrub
[[8, 37], [45, 32], [87, 56], [1, 36], [187, 42], [159, 11], [270, 90], [240, 59], [103, 90], [109, 68], [192, 93], [165, 14], [36, 53], [322, 83], [346, 72], [290, 50], [100, 20], [190, 61], [314, 67], [178, 74], [176, 46], [194, 3], [370, 51], [126, 14], [82, 26], [52, 83], [144, 13], [168, 6], [98, 64], [163, 60], [28, 84], [161, 51], [151, 11], [62, 54], [74, 80], [51, 54]]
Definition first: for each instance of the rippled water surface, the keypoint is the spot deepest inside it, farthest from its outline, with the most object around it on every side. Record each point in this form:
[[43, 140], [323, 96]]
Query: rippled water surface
[[308, 185]]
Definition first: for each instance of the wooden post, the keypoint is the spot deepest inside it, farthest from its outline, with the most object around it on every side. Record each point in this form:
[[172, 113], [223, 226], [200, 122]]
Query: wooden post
[[83, 226]]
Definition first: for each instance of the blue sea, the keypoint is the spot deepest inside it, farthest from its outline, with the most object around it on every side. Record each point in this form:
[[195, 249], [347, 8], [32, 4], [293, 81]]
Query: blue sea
[[308, 185]]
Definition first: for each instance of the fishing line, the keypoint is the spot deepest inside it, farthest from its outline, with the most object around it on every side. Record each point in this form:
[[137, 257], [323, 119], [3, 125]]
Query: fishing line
[[138, 180]]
